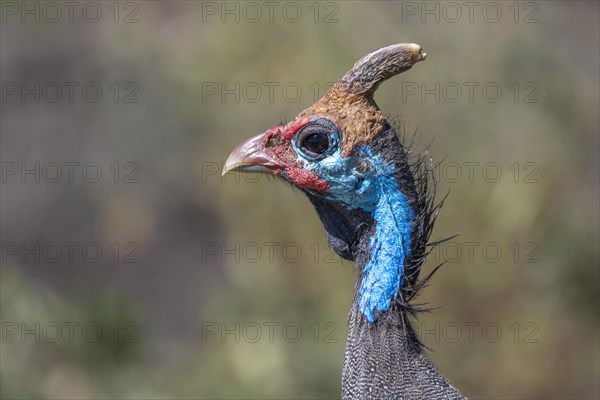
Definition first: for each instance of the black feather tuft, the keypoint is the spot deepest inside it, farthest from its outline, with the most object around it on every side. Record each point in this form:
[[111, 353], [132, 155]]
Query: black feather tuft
[[426, 210]]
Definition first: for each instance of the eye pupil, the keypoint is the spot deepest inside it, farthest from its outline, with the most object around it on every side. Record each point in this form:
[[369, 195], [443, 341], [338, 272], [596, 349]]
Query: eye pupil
[[316, 143]]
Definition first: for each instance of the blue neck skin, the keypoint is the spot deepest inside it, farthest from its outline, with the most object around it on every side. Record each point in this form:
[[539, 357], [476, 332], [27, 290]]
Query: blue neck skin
[[377, 192], [389, 248]]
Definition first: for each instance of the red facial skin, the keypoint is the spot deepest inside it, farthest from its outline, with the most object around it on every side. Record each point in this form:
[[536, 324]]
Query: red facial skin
[[278, 145]]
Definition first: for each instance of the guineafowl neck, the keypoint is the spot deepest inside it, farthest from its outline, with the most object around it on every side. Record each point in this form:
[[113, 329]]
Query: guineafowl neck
[[384, 360]]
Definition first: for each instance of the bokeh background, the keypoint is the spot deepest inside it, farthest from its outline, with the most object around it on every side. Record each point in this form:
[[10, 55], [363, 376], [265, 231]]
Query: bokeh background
[[213, 288]]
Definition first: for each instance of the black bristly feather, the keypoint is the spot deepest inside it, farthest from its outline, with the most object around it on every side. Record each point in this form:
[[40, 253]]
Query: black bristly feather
[[416, 177]]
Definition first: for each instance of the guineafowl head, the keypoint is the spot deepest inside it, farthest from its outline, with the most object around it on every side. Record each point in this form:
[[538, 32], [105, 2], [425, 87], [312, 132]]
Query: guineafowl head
[[344, 155]]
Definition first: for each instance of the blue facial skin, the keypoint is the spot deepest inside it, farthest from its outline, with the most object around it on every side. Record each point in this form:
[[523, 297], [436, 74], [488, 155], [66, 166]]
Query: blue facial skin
[[376, 191]]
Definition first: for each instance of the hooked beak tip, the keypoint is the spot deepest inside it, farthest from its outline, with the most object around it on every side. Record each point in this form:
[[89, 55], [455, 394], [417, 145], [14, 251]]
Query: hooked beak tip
[[230, 164]]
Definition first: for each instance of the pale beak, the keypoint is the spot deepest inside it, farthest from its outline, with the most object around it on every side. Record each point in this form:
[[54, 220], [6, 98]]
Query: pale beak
[[249, 156]]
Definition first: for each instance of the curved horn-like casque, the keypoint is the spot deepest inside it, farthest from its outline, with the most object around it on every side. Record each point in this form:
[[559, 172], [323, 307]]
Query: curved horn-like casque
[[368, 72]]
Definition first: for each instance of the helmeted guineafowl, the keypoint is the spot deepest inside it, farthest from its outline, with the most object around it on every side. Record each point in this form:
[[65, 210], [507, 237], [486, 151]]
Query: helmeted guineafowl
[[377, 209]]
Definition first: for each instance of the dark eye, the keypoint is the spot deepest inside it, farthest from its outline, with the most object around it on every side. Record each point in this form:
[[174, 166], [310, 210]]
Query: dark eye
[[317, 139], [316, 143]]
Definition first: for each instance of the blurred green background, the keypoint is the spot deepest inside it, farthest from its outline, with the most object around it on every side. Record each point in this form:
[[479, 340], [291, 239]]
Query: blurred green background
[[230, 290]]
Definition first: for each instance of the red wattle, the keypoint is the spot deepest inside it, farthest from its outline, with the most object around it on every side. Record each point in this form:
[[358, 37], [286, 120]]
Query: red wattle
[[305, 179]]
